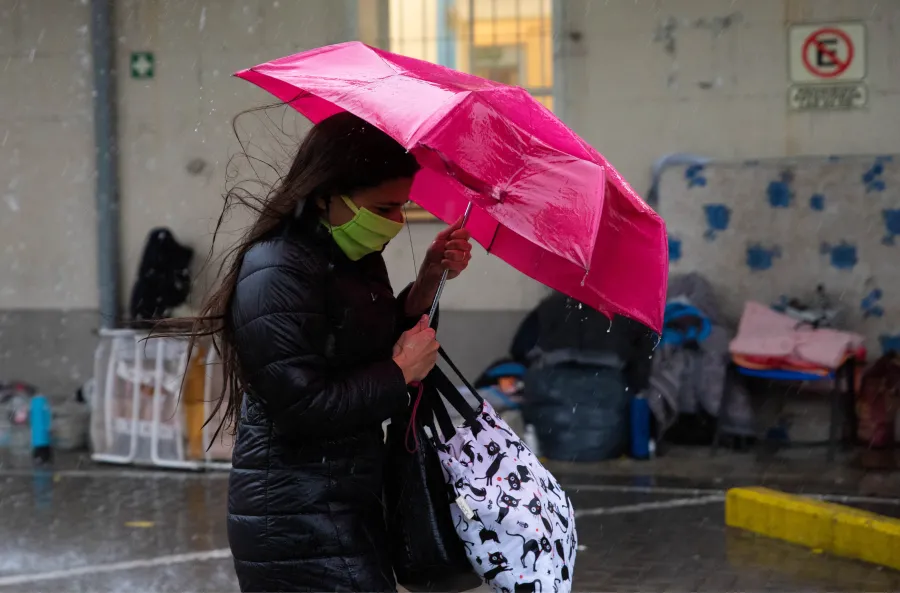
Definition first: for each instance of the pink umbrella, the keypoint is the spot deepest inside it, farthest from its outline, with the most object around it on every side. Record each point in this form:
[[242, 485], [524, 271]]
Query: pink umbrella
[[540, 197]]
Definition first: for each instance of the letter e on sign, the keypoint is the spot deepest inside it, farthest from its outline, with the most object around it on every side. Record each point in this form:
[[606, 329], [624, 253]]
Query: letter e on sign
[[827, 53]]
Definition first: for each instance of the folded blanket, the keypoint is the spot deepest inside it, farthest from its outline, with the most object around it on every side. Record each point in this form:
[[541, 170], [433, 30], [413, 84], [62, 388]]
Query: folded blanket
[[767, 333]]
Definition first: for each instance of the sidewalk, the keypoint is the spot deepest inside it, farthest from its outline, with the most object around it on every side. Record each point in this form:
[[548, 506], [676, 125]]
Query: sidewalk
[[790, 470]]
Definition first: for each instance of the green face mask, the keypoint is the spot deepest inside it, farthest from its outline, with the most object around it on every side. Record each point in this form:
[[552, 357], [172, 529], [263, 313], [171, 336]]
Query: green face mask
[[365, 233]]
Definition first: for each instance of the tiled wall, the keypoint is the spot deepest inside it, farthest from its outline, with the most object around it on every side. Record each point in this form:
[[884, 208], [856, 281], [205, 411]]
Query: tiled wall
[[764, 230]]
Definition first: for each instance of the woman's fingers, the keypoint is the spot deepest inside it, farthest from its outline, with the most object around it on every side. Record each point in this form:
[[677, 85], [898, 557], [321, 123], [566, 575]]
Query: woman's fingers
[[458, 245], [420, 325], [416, 352], [453, 248], [454, 231], [462, 234], [456, 256], [448, 232]]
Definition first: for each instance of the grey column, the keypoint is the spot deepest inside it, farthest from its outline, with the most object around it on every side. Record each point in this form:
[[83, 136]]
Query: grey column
[[107, 159]]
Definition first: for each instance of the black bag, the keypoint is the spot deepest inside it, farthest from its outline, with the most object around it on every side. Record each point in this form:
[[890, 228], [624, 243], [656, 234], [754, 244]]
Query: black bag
[[163, 280], [425, 549]]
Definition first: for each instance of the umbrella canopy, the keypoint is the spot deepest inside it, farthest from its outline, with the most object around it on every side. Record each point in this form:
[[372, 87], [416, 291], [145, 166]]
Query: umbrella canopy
[[544, 200]]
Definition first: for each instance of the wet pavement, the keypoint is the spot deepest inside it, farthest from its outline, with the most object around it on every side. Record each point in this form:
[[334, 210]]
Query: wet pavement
[[90, 528]]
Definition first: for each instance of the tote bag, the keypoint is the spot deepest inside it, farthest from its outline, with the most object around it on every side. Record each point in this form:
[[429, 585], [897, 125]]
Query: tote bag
[[514, 519]]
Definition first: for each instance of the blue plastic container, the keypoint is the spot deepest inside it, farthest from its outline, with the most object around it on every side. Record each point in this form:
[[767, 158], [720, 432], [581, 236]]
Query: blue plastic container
[[640, 428], [40, 419]]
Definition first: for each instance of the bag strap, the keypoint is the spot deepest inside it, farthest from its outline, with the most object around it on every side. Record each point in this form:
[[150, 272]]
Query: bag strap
[[429, 407], [412, 427], [426, 408], [452, 395], [459, 374], [438, 411]]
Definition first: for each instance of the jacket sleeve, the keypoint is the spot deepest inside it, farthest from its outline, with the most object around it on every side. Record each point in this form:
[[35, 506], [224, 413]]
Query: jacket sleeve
[[285, 360], [405, 322]]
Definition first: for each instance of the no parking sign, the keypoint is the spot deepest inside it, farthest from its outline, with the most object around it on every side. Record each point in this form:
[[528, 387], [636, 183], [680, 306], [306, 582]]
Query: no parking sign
[[827, 66]]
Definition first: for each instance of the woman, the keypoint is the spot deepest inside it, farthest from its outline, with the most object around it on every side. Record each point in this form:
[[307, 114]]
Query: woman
[[317, 354]]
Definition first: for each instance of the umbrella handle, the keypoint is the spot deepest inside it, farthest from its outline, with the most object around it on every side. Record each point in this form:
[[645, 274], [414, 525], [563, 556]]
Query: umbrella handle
[[440, 288]]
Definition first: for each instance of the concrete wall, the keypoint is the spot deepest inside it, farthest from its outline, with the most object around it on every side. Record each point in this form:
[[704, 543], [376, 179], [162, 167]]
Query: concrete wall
[[176, 129], [48, 293], [651, 77], [182, 116], [642, 78]]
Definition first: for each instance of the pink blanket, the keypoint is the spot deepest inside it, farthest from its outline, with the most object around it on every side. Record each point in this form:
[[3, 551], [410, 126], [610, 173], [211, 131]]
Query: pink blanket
[[767, 333]]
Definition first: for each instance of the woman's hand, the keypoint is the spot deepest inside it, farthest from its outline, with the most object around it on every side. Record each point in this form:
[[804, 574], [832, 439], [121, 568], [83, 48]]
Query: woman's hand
[[450, 251], [416, 351]]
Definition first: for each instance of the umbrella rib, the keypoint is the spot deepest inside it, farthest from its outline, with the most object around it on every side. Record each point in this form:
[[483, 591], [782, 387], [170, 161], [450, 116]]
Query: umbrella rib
[[421, 129], [493, 238], [588, 149], [393, 67]]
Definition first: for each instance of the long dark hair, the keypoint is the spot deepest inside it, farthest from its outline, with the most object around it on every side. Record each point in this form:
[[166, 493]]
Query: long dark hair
[[339, 156]]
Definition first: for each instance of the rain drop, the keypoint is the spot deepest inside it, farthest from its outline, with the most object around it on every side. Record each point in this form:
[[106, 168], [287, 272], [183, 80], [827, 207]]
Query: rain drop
[[12, 202], [202, 19]]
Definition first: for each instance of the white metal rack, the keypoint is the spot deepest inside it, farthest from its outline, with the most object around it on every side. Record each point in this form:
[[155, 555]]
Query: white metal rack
[[137, 416]]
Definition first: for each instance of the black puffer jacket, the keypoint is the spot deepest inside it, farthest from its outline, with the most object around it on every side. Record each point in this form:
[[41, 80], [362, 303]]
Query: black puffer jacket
[[314, 334]]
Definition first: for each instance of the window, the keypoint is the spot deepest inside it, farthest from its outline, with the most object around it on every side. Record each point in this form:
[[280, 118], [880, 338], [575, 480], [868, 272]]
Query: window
[[509, 41], [505, 40]]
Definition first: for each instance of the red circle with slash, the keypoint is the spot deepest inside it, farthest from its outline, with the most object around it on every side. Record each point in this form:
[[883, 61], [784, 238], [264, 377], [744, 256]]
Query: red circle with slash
[[840, 66]]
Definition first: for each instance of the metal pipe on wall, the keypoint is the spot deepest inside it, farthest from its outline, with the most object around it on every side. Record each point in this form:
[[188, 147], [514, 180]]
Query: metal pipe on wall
[[471, 36], [559, 27], [107, 159], [351, 20]]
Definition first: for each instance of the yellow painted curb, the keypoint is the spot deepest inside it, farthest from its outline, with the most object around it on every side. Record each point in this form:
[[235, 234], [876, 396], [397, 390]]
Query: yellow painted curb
[[821, 526]]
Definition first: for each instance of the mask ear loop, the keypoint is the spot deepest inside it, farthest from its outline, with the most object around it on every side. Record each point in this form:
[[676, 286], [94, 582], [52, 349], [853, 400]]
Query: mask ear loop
[[327, 216], [329, 276], [412, 249]]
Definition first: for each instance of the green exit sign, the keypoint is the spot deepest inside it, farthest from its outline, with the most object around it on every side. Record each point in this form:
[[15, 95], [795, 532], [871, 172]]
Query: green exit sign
[[142, 65]]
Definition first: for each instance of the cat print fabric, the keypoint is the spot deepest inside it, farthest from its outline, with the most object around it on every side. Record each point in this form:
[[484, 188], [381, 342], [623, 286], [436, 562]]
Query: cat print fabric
[[517, 524]]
